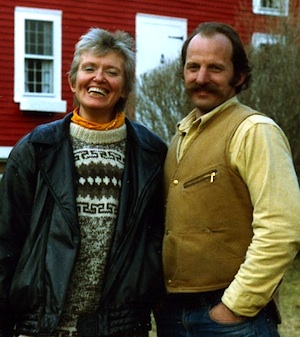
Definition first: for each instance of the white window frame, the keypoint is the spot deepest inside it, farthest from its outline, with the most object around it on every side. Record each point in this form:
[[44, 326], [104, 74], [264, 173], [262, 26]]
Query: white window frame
[[283, 10], [261, 39], [38, 101], [4, 154]]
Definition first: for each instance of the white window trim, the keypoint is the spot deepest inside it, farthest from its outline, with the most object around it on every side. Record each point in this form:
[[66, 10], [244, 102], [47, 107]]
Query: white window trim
[[31, 101], [259, 39], [258, 9], [4, 152]]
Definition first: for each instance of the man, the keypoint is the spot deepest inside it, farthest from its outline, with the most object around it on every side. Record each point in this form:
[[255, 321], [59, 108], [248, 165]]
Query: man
[[233, 201]]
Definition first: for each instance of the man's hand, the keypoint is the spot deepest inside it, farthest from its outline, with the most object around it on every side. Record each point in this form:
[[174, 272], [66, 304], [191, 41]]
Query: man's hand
[[220, 313]]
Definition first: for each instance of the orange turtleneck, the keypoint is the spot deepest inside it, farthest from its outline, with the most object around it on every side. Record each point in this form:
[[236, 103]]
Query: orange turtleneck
[[118, 121]]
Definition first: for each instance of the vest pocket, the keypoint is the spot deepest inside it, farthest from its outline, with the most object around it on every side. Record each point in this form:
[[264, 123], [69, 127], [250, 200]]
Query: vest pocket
[[198, 261], [208, 177]]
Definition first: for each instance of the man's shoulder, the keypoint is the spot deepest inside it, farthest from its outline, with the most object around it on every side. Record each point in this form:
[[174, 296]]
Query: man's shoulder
[[251, 115]]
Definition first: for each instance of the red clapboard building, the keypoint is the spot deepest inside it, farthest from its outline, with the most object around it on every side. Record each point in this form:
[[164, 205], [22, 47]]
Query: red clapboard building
[[37, 39]]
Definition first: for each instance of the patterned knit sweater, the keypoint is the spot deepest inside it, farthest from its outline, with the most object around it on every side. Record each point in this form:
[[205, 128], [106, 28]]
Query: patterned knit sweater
[[99, 160]]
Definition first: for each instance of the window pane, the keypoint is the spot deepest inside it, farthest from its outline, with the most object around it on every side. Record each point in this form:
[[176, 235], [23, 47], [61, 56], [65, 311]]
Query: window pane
[[38, 37], [270, 4], [38, 76]]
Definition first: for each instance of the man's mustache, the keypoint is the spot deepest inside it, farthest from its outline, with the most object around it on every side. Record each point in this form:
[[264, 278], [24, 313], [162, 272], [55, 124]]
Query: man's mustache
[[204, 87]]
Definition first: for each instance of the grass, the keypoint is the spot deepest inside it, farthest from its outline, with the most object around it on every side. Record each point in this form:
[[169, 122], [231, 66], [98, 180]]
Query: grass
[[290, 301], [289, 295]]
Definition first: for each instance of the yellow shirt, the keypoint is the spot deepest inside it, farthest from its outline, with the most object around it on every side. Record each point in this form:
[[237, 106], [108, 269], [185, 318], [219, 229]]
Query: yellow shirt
[[260, 152]]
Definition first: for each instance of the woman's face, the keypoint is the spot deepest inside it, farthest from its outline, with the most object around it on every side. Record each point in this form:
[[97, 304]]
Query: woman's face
[[99, 84]]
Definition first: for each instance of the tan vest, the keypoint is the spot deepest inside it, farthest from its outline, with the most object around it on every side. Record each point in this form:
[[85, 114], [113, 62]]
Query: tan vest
[[209, 212]]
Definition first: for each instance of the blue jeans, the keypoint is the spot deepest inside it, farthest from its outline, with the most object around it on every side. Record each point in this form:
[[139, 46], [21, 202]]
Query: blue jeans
[[177, 320]]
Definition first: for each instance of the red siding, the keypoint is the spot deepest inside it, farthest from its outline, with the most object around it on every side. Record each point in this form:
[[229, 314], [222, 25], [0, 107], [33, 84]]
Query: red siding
[[78, 17]]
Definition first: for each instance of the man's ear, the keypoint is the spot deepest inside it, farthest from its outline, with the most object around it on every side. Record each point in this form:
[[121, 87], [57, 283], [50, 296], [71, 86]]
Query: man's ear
[[240, 80]]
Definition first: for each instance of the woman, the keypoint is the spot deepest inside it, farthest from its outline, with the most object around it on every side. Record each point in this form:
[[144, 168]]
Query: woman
[[81, 213]]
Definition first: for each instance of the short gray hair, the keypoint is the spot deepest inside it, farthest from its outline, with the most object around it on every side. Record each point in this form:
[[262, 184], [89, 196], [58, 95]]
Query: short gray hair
[[99, 42]]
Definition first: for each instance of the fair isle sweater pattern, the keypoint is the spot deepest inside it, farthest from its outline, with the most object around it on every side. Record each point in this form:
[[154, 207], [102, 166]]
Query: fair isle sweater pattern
[[99, 161]]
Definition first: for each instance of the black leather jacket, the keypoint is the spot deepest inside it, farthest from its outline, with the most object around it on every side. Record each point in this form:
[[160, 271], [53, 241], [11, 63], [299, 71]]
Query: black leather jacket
[[39, 235]]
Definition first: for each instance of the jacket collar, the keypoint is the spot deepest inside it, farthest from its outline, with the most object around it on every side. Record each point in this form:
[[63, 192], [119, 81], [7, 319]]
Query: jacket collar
[[55, 159]]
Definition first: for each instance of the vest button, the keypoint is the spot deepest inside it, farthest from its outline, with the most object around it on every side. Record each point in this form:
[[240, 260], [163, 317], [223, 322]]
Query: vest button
[[175, 182], [169, 281]]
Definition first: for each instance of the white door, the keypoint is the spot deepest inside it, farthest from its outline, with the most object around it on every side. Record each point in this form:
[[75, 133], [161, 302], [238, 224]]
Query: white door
[[158, 39]]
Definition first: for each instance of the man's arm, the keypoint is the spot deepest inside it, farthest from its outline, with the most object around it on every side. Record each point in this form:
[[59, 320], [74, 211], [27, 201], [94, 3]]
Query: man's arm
[[261, 154]]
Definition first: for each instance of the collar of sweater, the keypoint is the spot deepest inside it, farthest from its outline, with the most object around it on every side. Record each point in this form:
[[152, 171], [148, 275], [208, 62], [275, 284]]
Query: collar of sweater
[[98, 137]]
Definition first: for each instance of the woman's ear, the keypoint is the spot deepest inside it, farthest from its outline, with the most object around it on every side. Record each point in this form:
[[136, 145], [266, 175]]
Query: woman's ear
[[72, 85]]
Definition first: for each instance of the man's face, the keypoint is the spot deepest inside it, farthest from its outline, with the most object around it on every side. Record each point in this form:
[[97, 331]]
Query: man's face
[[208, 72]]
